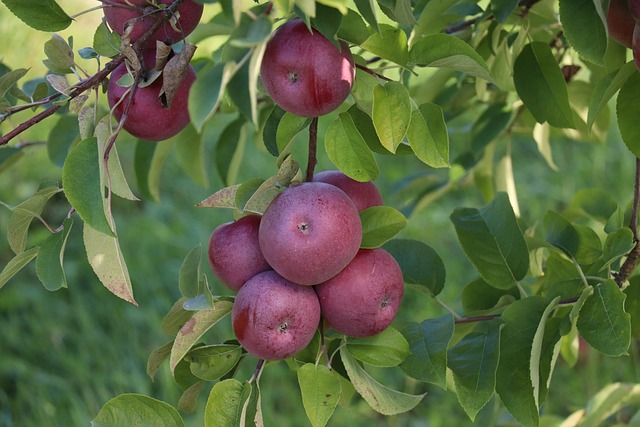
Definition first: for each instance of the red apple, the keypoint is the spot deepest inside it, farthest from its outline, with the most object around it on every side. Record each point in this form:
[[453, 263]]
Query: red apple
[[363, 194], [363, 299], [635, 45], [310, 232], [620, 22], [141, 14], [304, 72], [234, 251], [147, 118], [273, 318]]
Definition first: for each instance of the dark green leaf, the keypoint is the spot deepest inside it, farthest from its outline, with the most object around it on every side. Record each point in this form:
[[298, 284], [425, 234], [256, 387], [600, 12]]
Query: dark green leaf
[[561, 233], [386, 349], [129, 410], [206, 92], [628, 111], [584, 29], [596, 202], [420, 264], [589, 247], [270, 130], [474, 362], [493, 241], [368, 11], [62, 136], [632, 305], [327, 21], [43, 15], [502, 9], [226, 149], [562, 277], [379, 224], [603, 322], [49, 264], [428, 341], [353, 28], [348, 150], [321, 390], [478, 297], [251, 32], [606, 88], [428, 136], [491, 123], [541, 86], [16, 264]]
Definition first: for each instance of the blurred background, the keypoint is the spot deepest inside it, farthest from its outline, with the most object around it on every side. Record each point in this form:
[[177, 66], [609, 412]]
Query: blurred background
[[64, 354]]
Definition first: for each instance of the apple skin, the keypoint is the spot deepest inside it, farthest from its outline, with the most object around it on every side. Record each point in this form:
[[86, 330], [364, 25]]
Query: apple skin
[[363, 194], [273, 318], [304, 72], [363, 299], [636, 45], [147, 118], [310, 232], [190, 14], [234, 251], [620, 22]]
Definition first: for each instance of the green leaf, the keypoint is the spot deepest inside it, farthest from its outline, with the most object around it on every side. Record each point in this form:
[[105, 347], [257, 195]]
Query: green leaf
[[131, 409], [561, 233], [632, 305], [428, 136], [9, 156], [502, 9], [389, 43], [157, 358], [353, 28], [420, 264], [380, 224], [7, 80], [270, 129], [107, 261], [231, 404], [584, 29], [230, 144], [474, 362], [190, 147], [513, 380], [63, 134], [348, 150], [544, 352], [114, 177], [603, 322], [628, 109], [43, 15], [391, 113], [589, 247], [23, 215], [328, 21], [428, 341], [381, 399], [194, 328], [289, 127], [60, 58], [491, 123], [212, 362], [617, 245], [83, 187], [493, 241], [596, 202], [49, 264], [386, 349], [606, 88], [189, 276], [105, 42], [368, 11], [321, 390], [541, 86], [611, 399], [223, 198], [251, 32], [176, 317], [447, 51], [478, 298], [206, 92], [16, 264]]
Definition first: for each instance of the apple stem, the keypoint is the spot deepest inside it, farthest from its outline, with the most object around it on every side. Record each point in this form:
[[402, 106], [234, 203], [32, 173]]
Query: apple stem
[[257, 371], [313, 147]]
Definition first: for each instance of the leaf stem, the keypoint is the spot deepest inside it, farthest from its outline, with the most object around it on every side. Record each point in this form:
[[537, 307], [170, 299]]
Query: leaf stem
[[257, 371], [446, 307], [313, 148]]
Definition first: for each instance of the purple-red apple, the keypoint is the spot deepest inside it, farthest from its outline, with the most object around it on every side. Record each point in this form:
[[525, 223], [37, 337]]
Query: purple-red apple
[[363, 299], [363, 194], [310, 232], [304, 72], [147, 118], [273, 318], [141, 14], [234, 251], [620, 22]]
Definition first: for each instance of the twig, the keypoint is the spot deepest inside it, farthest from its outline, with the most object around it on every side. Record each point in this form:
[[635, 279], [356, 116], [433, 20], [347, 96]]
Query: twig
[[313, 147], [373, 73], [257, 371], [634, 255]]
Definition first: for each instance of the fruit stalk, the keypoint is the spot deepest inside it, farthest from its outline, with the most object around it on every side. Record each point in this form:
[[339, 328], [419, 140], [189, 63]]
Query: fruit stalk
[[313, 148]]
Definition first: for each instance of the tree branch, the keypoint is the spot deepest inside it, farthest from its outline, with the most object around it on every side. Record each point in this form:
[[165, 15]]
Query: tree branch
[[313, 148], [634, 256]]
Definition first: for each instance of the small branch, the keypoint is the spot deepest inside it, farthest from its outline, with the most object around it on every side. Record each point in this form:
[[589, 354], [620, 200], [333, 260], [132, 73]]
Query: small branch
[[313, 148], [373, 73], [473, 319], [446, 307], [634, 256]]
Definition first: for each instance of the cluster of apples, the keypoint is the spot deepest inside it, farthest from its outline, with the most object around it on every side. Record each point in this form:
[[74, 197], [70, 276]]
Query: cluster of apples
[[623, 22], [150, 115], [301, 261]]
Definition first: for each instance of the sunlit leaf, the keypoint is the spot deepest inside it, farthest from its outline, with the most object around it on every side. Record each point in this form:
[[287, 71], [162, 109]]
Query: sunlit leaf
[[391, 113], [320, 390], [348, 150], [43, 15], [386, 349], [380, 224], [129, 410]]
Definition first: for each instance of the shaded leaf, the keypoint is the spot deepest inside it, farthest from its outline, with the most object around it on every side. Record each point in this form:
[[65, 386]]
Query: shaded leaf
[[420, 264], [386, 349], [584, 28], [211, 362], [23, 215], [428, 136], [16, 264], [49, 264]]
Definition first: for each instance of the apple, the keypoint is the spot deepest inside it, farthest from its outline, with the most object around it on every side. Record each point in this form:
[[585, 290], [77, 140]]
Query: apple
[[304, 72], [310, 232], [620, 22], [234, 251], [363, 299], [273, 318], [363, 194], [141, 14], [147, 118], [634, 9], [635, 45]]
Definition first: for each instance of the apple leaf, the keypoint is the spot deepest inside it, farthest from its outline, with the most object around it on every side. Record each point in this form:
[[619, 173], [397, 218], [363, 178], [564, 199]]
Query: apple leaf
[[232, 403], [211, 362], [23, 215], [389, 43], [106, 42], [606, 88], [188, 401], [190, 149], [60, 57], [611, 399], [428, 342], [176, 317], [229, 150], [387, 349], [157, 358], [420, 264], [43, 15], [541, 86], [493, 241], [428, 136], [194, 328], [367, 9], [206, 92], [223, 198], [381, 399], [49, 267], [561, 233], [447, 51], [379, 225], [114, 177], [584, 27], [348, 150], [628, 109], [10, 78], [135, 409], [62, 136], [479, 298], [617, 245], [321, 390], [544, 352], [391, 113], [16, 264], [189, 276]]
